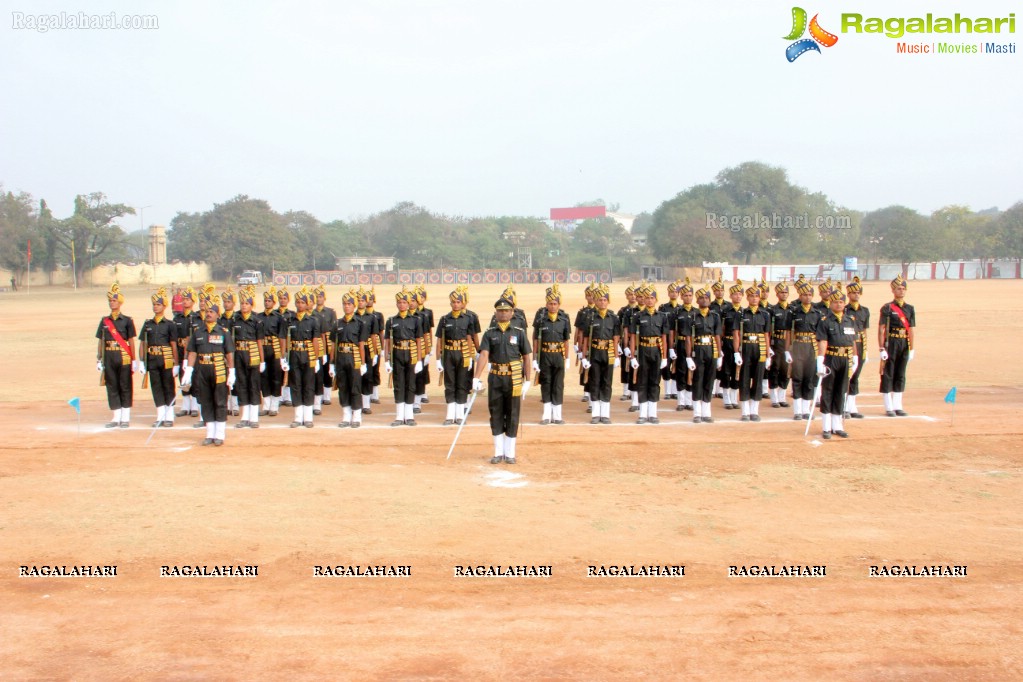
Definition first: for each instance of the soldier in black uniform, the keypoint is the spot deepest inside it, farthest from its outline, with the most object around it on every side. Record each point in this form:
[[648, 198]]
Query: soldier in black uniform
[[781, 342], [158, 348], [303, 359], [895, 331], [703, 354], [683, 320], [728, 375], [752, 347], [327, 317], [861, 316], [271, 376], [805, 318], [625, 317], [115, 358], [227, 317], [765, 298], [582, 322], [187, 321], [457, 339], [404, 349], [836, 360], [505, 349], [249, 363], [371, 354], [670, 309], [287, 319], [348, 338], [377, 346], [601, 342], [717, 303], [648, 340], [551, 335], [417, 307], [210, 370]]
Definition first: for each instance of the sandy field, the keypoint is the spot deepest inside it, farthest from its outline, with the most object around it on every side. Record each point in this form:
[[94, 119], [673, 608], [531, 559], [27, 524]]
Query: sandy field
[[914, 491]]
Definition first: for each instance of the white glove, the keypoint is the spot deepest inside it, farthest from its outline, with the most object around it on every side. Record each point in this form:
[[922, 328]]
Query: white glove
[[387, 367], [419, 366], [614, 361], [426, 360], [285, 365], [628, 352], [487, 368], [788, 358], [99, 365], [910, 355], [672, 354], [525, 388], [376, 359], [738, 359], [691, 364], [770, 353], [187, 379], [440, 367], [184, 365], [664, 362], [855, 364], [174, 371], [325, 361], [578, 356], [477, 384], [634, 363], [317, 367], [768, 363], [363, 369], [140, 367], [536, 366], [884, 354], [586, 363], [332, 371], [821, 370], [720, 362], [262, 367], [230, 377], [577, 352]]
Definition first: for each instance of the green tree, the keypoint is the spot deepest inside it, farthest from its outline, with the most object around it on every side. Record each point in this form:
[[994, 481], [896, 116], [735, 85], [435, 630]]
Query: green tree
[[679, 232], [899, 233], [755, 188], [18, 224], [90, 232], [1009, 232], [961, 233]]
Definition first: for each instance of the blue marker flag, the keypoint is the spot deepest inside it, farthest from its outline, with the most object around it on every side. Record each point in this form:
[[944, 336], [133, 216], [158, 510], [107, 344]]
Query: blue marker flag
[[950, 397], [75, 403]]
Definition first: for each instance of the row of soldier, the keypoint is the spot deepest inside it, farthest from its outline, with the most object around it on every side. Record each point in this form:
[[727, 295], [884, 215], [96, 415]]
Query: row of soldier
[[251, 363]]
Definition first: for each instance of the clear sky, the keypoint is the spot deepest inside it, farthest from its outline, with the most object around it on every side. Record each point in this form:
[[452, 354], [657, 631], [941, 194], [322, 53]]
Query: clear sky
[[486, 107]]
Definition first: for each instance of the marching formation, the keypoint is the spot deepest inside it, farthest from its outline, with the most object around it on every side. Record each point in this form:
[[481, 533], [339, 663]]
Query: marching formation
[[228, 359]]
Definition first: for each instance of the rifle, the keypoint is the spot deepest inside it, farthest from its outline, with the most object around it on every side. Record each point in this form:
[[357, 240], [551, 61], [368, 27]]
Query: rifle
[[286, 354], [333, 359], [440, 355], [589, 353], [692, 335], [884, 347], [143, 355], [390, 375], [99, 358], [742, 324]]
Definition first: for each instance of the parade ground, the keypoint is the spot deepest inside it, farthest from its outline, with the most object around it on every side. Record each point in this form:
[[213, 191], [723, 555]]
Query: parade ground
[[713, 551]]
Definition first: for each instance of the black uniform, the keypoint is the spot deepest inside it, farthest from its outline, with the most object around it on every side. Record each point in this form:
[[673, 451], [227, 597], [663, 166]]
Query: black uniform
[[271, 377], [840, 333], [159, 337], [601, 333], [778, 372], [861, 316], [116, 361], [804, 351], [209, 377], [550, 338], [650, 328], [670, 310], [249, 334], [625, 317], [754, 330], [403, 333], [683, 320], [327, 317], [371, 321], [455, 350], [893, 379], [583, 320], [506, 348], [705, 331], [186, 324], [302, 357], [345, 338], [730, 318], [423, 378]]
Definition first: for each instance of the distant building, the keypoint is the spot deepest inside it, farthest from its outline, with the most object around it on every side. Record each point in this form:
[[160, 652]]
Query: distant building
[[157, 245], [358, 264]]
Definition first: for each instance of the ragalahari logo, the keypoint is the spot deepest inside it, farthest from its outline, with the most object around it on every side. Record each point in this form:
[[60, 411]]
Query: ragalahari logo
[[817, 35]]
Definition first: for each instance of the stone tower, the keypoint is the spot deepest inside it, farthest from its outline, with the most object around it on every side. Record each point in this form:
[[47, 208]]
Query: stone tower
[[157, 245]]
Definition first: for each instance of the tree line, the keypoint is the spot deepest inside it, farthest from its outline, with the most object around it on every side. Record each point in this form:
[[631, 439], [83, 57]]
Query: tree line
[[750, 213]]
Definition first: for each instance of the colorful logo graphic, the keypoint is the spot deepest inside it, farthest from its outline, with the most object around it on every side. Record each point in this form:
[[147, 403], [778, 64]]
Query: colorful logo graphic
[[817, 35]]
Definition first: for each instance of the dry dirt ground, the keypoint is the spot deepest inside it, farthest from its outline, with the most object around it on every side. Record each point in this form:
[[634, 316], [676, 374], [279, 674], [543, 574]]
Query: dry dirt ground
[[908, 491]]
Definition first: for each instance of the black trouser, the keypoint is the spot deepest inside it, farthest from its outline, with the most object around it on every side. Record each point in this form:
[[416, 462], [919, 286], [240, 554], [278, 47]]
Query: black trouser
[[372, 376], [893, 379], [457, 378], [648, 376], [552, 377], [246, 381], [599, 376], [703, 375], [183, 355], [727, 375], [302, 379], [423, 380], [211, 393], [270, 378], [118, 379], [404, 378], [504, 406], [751, 374], [625, 370], [854, 380], [349, 381], [161, 383], [683, 382], [804, 370], [835, 384], [778, 373]]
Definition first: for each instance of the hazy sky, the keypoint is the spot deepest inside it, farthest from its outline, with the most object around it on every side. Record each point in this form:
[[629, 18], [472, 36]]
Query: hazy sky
[[481, 107]]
